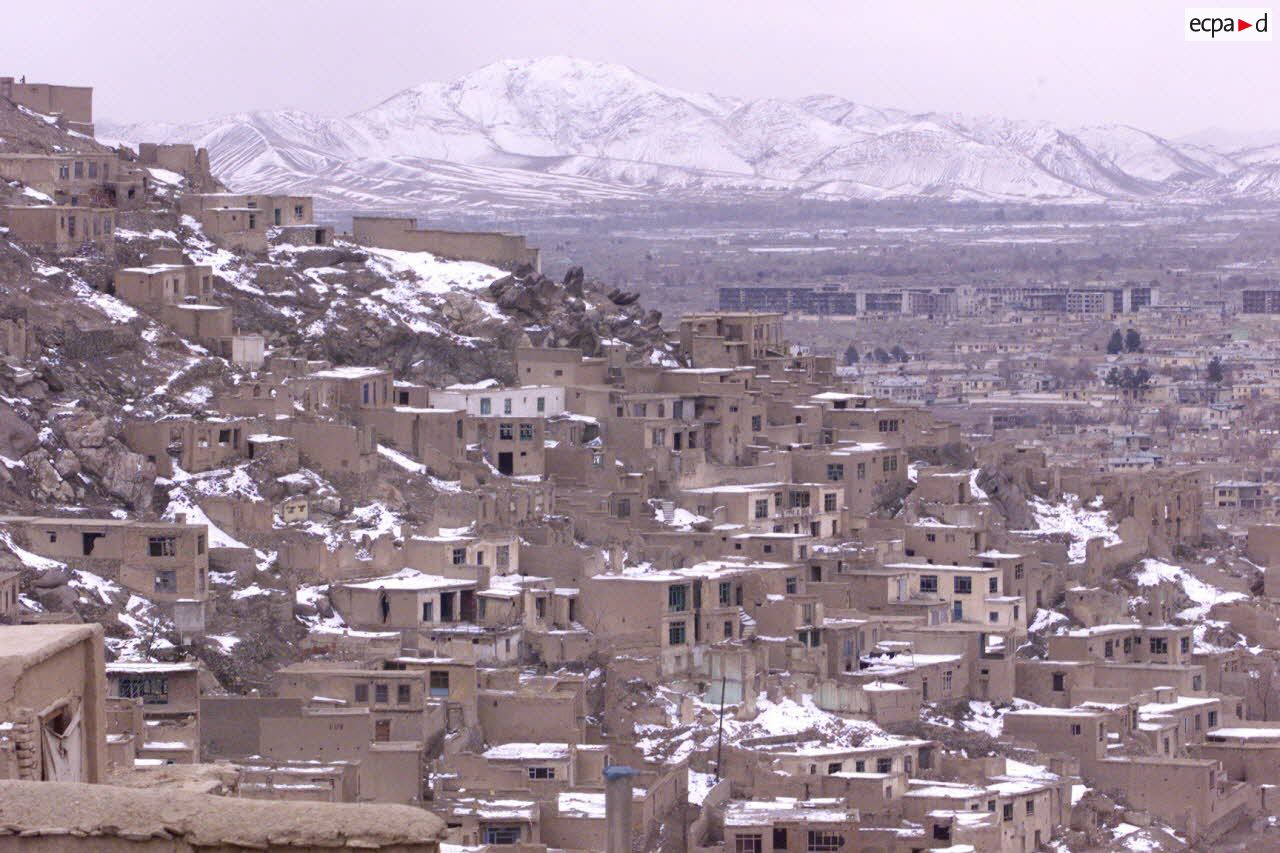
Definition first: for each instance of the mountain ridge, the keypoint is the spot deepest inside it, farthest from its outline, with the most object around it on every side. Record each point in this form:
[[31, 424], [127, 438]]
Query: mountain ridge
[[559, 131]]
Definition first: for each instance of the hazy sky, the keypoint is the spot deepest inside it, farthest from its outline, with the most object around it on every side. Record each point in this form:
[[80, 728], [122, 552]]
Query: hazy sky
[[1072, 62]]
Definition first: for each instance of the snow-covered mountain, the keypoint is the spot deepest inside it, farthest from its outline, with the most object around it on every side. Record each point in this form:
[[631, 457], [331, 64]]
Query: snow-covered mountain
[[559, 131]]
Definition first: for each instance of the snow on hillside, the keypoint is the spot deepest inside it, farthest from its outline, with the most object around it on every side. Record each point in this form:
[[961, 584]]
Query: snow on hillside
[[1081, 523], [560, 131], [1153, 572]]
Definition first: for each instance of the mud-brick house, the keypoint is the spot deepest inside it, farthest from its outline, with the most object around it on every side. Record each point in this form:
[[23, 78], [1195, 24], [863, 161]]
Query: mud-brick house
[[61, 227], [166, 561], [788, 825], [407, 600], [72, 106], [165, 284], [169, 693], [70, 179], [52, 703]]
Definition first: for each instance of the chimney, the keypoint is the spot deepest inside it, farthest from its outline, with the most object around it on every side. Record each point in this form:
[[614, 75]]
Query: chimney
[[617, 808], [179, 518]]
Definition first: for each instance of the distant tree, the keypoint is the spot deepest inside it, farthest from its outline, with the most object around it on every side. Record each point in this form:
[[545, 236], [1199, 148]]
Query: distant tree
[[1132, 341], [1115, 345], [882, 356], [899, 353], [1214, 371], [1128, 379], [851, 355]]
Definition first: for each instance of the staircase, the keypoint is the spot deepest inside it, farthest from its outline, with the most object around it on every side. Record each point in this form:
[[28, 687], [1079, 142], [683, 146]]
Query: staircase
[[668, 511]]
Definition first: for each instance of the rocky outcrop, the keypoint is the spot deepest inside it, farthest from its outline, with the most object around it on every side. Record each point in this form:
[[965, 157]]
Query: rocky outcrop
[[123, 474]]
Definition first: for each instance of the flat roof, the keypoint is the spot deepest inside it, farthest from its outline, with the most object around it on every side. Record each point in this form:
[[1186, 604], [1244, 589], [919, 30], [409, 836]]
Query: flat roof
[[31, 644]]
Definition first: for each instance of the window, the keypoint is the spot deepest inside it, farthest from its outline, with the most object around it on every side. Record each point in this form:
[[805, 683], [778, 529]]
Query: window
[[505, 432], [762, 508], [993, 585], [1128, 645], [829, 503], [835, 472], [542, 773], [862, 470], [79, 169], [486, 406], [1109, 649], [1018, 572], [928, 583], [624, 507], [675, 634], [1184, 645], [755, 423], [1059, 682], [151, 689], [64, 171], [362, 693], [834, 767], [962, 584], [166, 581], [403, 694], [297, 211], [890, 464], [542, 405], [1008, 811], [526, 432], [793, 584], [200, 543], [1213, 719], [459, 556], [889, 425], [725, 594], [993, 617], [1031, 807], [428, 611], [884, 765], [438, 683], [162, 546], [748, 844], [728, 630], [381, 694], [502, 835], [503, 556], [825, 841], [1158, 645], [946, 682], [677, 599]]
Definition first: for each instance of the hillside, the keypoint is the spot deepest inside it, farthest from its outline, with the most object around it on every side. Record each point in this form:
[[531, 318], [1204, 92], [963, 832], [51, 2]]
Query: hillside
[[101, 363]]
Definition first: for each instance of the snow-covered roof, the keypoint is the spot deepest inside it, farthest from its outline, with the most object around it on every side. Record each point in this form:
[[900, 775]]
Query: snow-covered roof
[[411, 579], [528, 752], [789, 809]]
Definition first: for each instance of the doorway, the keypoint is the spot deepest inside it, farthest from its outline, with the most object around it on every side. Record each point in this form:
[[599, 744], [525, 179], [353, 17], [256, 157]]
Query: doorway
[[506, 464]]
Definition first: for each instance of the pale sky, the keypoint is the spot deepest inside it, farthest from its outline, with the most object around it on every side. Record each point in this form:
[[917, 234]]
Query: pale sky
[[1073, 63]]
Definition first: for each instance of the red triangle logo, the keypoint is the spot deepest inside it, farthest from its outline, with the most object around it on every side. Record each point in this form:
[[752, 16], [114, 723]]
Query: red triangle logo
[[1242, 25]]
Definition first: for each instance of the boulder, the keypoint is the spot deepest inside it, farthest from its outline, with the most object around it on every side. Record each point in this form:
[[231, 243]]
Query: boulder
[[17, 438], [60, 599], [55, 577]]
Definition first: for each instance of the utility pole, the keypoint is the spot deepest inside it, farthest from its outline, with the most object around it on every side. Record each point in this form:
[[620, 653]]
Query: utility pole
[[720, 732]]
